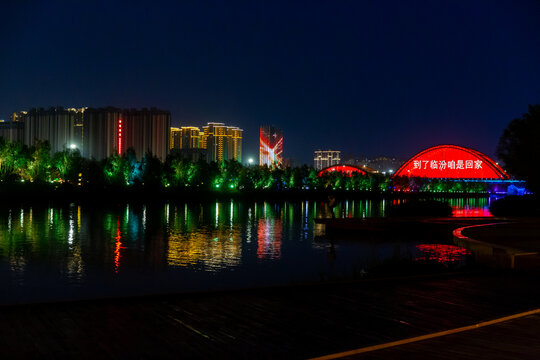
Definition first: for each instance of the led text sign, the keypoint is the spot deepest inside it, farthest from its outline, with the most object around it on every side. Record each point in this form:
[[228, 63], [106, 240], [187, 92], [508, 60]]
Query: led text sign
[[451, 162]]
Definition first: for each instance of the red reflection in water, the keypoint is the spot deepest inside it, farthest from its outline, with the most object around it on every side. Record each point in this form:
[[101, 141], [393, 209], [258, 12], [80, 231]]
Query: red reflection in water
[[269, 239], [444, 254], [458, 211], [118, 246]]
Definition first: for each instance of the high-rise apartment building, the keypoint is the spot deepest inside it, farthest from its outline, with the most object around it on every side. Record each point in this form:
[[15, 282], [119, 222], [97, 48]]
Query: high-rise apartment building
[[186, 142], [234, 143], [189, 137], [60, 127], [109, 130], [271, 146], [11, 131], [326, 158], [222, 142], [174, 139]]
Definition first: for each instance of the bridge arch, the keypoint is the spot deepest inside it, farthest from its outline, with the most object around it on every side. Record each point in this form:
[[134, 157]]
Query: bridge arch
[[452, 162]]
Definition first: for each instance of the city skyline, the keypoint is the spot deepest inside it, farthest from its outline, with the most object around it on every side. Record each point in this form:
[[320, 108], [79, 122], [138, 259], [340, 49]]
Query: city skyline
[[364, 78]]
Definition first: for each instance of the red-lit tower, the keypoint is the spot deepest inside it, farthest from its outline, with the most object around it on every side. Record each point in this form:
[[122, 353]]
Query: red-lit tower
[[271, 146]]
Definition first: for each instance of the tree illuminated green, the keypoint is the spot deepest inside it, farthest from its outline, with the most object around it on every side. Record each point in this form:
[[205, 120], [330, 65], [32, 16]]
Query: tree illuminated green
[[67, 165], [39, 162]]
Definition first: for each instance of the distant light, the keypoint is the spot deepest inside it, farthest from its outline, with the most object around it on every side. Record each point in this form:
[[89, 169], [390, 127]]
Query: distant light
[[250, 160], [390, 171], [73, 146]]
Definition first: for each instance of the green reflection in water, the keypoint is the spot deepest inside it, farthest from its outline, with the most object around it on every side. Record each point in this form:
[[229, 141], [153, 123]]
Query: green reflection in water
[[47, 236], [203, 237]]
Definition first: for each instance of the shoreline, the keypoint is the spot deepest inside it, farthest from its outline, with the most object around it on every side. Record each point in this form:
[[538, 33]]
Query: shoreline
[[46, 193]]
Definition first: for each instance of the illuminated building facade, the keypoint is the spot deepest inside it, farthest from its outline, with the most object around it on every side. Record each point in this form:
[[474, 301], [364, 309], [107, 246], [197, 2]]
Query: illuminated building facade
[[215, 142], [222, 142], [62, 128], [186, 142], [110, 130], [186, 137], [271, 146], [326, 158], [174, 140]]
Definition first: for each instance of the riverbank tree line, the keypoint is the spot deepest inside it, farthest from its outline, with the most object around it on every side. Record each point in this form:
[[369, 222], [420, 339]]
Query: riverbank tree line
[[67, 168]]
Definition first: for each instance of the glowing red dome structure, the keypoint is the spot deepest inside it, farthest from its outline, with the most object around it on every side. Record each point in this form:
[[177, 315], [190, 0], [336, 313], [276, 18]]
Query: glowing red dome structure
[[452, 162], [346, 169]]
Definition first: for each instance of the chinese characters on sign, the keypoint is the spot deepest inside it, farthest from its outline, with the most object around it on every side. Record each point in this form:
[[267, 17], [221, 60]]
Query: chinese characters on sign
[[443, 165]]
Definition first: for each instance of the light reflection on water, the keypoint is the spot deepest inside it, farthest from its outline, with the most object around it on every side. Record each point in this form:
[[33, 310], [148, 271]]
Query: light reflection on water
[[444, 254], [77, 251]]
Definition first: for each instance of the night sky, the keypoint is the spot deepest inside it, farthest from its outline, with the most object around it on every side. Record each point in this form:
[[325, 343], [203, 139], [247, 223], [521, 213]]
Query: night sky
[[365, 77]]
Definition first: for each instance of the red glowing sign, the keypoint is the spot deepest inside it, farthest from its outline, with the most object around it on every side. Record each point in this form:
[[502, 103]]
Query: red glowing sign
[[119, 136], [346, 169], [451, 162]]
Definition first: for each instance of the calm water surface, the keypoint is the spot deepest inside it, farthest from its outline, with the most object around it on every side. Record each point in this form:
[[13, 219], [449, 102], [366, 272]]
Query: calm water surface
[[77, 251]]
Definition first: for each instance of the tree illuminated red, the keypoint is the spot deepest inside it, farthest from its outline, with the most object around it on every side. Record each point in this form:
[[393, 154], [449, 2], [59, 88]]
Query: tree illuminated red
[[451, 162], [346, 169]]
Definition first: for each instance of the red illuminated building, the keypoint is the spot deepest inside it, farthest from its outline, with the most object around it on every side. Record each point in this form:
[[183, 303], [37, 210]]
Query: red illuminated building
[[452, 162], [271, 146]]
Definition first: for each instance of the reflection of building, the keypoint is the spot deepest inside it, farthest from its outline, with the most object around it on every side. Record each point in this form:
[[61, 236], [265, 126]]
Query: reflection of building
[[189, 244], [109, 130], [269, 234], [271, 146], [326, 158]]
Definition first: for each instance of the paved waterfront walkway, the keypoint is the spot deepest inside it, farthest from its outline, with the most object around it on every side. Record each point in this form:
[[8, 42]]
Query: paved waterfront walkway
[[286, 323], [505, 338], [513, 243], [523, 234], [298, 322]]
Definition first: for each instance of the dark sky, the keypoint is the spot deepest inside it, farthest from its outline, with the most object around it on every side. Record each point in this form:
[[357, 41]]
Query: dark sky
[[367, 77]]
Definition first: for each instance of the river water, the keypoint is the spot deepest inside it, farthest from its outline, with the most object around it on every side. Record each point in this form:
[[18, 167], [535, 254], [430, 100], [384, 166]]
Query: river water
[[79, 252]]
